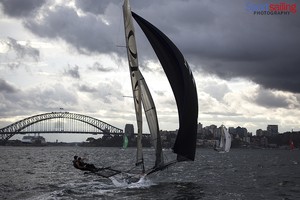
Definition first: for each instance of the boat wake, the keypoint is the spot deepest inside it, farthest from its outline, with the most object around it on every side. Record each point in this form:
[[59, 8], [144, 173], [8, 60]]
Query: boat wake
[[123, 182]]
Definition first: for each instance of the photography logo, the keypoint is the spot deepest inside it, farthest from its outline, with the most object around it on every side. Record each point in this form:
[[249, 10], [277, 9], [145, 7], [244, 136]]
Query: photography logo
[[281, 8]]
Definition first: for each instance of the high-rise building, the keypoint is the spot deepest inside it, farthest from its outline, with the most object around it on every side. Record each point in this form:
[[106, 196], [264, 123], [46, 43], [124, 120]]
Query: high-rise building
[[259, 132], [129, 130], [272, 129], [199, 128], [241, 132]]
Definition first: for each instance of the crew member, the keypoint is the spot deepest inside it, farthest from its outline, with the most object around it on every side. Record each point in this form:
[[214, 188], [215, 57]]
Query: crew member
[[79, 164]]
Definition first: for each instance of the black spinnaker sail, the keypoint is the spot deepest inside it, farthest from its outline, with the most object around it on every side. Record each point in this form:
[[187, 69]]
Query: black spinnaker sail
[[183, 85]]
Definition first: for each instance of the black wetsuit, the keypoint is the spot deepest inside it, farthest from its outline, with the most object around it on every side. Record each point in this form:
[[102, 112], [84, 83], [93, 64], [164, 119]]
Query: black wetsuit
[[84, 166]]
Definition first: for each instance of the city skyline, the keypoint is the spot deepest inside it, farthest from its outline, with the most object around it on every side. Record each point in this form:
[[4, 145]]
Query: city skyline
[[67, 54], [71, 137]]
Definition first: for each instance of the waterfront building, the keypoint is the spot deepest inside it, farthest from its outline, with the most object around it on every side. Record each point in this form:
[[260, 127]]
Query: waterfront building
[[36, 139], [272, 129], [129, 130], [199, 130], [259, 132]]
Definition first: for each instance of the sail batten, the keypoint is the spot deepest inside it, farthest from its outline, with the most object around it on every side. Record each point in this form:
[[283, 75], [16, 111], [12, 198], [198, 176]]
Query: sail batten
[[183, 86]]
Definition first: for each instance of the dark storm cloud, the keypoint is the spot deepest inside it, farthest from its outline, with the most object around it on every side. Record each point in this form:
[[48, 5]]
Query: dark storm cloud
[[260, 48], [72, 72], [51, 97], [99, 7], [227, 40], [35, 99], [103, 91], [222, 38], [92, 6], [20, 8], [267, 98], [86, 33], [6, 87]]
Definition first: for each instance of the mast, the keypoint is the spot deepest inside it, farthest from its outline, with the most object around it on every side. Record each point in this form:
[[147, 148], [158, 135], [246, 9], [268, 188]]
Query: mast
[[135, 77], [144, 92]]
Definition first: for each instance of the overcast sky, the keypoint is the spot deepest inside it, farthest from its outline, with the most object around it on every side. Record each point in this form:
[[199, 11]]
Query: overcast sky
[[64, 54]]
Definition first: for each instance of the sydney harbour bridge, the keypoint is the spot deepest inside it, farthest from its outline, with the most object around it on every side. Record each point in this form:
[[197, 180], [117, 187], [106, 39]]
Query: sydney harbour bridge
[[58, 122]]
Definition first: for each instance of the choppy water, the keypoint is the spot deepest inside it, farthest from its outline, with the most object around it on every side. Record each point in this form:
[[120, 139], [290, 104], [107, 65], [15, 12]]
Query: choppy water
[[47, 173]]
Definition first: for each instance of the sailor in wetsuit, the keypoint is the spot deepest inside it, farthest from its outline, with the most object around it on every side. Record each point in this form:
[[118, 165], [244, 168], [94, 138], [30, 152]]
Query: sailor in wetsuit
[[79, 164]]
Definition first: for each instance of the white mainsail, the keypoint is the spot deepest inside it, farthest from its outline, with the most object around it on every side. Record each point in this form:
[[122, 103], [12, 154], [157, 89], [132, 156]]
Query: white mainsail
[[227, 139], [222, 140], [141, 91], [151, 116]]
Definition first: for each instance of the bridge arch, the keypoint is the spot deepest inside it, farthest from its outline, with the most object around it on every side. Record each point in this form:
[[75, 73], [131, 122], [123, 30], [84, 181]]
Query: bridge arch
[[16, 128]]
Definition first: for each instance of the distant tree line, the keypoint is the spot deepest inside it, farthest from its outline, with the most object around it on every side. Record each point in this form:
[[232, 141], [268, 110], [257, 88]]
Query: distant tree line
[[277, 140], [115, 141], [284, 139]]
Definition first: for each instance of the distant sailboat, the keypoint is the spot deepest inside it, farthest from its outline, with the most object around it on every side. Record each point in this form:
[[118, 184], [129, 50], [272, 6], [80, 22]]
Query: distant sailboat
[[125, 141], [183, 86], [225, 141]]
